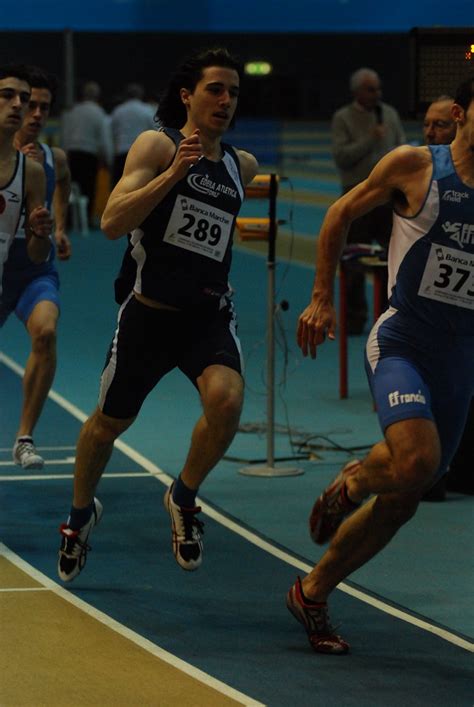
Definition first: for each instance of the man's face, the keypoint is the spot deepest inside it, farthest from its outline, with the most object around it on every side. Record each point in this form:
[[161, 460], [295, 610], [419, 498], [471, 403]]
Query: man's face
[[369, 92], [14, 97], [214, 99], [439, 127], [37, 112]]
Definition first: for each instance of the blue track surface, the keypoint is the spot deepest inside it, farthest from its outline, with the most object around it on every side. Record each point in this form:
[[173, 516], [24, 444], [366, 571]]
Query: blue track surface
[[229, 618]]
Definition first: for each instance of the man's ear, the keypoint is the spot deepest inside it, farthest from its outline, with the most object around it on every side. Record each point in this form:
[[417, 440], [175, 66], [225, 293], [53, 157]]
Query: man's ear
[[458, 113], [184, 94]]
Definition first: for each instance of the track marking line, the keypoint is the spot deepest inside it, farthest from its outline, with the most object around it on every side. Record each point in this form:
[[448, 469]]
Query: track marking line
[[42, 449], [286, 557], [51, 462], [53, 477], [23, 589]]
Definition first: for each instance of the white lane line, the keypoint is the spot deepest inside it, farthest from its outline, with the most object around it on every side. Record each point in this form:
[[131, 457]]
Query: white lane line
[[6, 590], [50, 462], [51, 477], [43, 449], [144, 643], [255, 539]]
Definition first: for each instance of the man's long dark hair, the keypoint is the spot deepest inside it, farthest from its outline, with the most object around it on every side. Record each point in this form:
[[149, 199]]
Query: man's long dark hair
[[171, 111]]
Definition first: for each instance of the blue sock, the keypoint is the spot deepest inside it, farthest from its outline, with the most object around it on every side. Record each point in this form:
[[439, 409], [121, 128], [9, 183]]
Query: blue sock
[[80, 516], [183, 495]]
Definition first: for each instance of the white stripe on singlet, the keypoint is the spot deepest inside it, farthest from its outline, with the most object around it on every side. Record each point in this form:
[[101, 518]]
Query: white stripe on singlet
[[372, 348]]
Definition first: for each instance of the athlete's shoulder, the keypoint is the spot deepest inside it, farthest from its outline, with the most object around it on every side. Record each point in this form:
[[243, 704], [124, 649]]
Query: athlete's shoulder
[[406, 158], [153, 146], [153, 140], [248, 165]]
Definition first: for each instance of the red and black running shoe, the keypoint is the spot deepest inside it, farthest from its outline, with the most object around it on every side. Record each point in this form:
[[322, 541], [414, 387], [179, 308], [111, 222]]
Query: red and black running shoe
[[315, 618], [332, 506]]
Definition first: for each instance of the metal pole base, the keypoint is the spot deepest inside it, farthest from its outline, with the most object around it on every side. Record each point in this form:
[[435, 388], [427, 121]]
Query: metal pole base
[[270, 471]]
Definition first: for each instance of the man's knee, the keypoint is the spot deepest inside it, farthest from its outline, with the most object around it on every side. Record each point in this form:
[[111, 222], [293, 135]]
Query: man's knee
[[226, 402], [102, 429], [416, 467], [43, 340], [416, 453], [222, 400]]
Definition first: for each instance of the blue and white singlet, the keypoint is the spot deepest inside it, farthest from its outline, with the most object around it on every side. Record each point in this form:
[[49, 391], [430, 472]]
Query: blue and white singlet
[[12, 199], [18, 260]]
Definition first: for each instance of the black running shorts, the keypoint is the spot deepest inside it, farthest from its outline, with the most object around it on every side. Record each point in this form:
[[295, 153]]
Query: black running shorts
[[148, 343]]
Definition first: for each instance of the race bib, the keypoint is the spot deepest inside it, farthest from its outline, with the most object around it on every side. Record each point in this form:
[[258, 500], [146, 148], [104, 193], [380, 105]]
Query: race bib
[[449, 277], [198, 227]]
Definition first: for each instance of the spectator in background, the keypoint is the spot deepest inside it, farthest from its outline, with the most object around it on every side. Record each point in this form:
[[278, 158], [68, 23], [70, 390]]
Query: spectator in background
[[86, 137], [362, 132], [439, 127], [127, 121]]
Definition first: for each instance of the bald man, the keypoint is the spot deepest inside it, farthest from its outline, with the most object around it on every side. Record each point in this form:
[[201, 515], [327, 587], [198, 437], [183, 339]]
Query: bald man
[[439, 127]]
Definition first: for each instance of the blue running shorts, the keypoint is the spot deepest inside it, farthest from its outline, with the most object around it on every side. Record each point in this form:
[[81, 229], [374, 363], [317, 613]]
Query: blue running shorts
[[416, 371]]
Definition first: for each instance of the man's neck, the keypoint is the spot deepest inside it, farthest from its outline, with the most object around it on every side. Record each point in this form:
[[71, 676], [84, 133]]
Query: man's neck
[[22, 139], [463, 159], [7, 149], [362, 108]]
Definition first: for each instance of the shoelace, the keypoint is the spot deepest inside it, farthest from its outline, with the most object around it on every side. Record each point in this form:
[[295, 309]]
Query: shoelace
[[191, 523], [26, 448], [77, 544], [321, 620]]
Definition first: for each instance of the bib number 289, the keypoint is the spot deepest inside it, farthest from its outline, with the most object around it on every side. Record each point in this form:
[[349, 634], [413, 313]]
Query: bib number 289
[[200, 229]]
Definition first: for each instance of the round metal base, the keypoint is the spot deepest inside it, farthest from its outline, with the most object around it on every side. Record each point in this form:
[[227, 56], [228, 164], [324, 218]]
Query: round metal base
[[258, 470]]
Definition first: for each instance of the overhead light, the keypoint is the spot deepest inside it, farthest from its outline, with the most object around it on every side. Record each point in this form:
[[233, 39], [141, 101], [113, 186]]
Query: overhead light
[[258, 68]]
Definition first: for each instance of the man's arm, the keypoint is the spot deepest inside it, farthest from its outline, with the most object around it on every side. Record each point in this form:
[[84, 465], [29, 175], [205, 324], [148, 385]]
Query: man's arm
[[61, 203], [403, 171], [147, 179], [38, 224]]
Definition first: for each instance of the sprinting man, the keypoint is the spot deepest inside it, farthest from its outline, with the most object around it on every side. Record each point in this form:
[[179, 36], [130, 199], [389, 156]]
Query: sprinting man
[[418, 356], [32, 290], [22, 180], [179, 196]]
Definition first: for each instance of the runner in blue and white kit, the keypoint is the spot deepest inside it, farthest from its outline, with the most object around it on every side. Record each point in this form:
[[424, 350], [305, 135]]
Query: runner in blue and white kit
[[22, 181], [179, 196], [31, 290], [419, 355]]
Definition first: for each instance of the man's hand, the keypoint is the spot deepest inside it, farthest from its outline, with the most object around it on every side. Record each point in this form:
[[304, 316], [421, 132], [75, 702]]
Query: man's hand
[[63, 246], [40, 222], [188, 154], [379, 132], [317, 320], [33, 151]]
